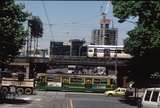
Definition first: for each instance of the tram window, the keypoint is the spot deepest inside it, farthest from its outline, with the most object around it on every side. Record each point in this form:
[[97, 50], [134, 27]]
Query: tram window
[[100, 50], [96, 81], [65, 80], [56, 79], [88, 81], [103, 81], [76, 80], [112, 81]]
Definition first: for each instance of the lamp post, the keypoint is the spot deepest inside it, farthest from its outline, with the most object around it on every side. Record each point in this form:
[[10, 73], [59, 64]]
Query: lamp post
[[115, 61], [115, 66]]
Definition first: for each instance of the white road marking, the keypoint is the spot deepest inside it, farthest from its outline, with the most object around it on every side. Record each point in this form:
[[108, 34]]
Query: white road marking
[[67, 104], [26, 98], [38, 99], [96, 94], [71, 103]]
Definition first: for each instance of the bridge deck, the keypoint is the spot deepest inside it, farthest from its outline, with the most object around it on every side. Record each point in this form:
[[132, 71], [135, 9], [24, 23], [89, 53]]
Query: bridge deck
[[73, 60]]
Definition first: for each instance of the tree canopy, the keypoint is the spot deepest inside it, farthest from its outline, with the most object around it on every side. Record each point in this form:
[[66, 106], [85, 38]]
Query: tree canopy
[[36, 26], [143, 42], [12, 31], [146, 34]]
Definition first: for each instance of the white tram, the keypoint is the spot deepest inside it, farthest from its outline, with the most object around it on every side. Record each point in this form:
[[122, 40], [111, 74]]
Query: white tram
[[101, 51]]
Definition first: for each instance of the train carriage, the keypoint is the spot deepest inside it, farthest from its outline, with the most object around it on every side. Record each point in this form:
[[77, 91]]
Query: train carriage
[[102, 51]]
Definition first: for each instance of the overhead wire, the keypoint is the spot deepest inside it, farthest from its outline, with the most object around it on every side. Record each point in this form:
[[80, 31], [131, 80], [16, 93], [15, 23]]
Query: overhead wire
[[47, 17]]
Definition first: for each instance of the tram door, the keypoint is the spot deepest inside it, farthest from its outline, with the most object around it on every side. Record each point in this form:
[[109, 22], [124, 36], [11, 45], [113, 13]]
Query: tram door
[[95, 52], [65, 81], [88, 82], [42, 80]]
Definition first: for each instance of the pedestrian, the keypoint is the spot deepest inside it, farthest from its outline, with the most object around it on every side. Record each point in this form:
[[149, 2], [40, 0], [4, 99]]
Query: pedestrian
[[2, 95], [139, 104]]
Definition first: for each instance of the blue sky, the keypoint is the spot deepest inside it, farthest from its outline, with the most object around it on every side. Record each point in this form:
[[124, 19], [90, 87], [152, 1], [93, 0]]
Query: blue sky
[[73, 20]]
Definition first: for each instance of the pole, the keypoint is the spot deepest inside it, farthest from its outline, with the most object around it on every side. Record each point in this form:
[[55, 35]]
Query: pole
[[116, 39], [116, 63], [34, 43], [27, 39], [30, 45]]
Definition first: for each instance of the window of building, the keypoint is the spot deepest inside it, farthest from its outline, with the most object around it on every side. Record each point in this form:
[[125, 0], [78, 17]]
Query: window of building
[[155, 96], [101, 25], [106, 25], [107, 34], [147, 97]]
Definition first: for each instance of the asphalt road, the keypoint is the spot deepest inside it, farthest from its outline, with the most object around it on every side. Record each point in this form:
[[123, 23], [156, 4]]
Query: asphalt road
[[66, 100]]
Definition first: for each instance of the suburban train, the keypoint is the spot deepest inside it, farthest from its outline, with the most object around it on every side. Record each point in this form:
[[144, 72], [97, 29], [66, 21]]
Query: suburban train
[[102, 51]]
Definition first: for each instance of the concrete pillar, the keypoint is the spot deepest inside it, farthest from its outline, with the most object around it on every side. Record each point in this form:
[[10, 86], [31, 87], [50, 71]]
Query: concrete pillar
[[125, 82], [108, 81], [27, 72]]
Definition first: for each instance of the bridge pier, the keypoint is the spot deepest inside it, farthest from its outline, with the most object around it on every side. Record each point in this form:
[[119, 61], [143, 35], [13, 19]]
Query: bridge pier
[[26, 68], [27, 72]]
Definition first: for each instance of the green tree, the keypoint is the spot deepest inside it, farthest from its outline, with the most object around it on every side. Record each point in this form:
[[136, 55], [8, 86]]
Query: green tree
[[146, 34], [143, 39], [36, 27], [12, 31]]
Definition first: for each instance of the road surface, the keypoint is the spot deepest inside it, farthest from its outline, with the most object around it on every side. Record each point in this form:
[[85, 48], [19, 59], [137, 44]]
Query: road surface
[[66, 100]]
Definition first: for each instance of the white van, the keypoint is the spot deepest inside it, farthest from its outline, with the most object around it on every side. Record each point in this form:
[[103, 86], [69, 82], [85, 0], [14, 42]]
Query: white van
[[151, 98]]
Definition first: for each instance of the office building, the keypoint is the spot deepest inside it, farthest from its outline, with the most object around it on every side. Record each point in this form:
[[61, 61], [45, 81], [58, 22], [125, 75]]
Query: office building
[[74, 47], [59, 48], [104, 35]]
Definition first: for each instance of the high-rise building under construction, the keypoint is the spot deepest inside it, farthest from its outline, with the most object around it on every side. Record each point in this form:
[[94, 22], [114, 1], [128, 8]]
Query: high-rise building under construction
[[104, 35]]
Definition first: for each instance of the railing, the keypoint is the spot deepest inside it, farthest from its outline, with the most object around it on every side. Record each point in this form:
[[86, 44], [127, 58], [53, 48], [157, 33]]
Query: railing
[[72, 60]]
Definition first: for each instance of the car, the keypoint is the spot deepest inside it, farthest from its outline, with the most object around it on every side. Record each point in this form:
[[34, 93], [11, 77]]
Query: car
[[151, 98], [117, 92]]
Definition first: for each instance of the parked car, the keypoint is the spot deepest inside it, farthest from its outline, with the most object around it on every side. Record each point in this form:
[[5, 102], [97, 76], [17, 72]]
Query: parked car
[[151, 98], [117, 92]]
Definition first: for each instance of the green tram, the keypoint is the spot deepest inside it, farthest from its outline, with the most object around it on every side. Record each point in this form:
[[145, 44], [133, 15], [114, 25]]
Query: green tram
[[79, 83]]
